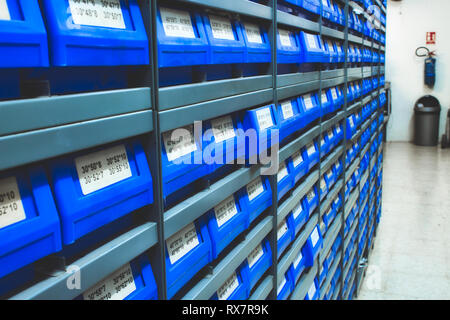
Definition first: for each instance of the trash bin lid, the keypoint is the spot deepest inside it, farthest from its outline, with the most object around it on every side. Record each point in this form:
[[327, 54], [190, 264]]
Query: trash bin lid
[[427, 104]]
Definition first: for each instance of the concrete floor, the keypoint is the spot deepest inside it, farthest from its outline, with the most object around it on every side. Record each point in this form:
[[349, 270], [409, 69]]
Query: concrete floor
[[411, 258]]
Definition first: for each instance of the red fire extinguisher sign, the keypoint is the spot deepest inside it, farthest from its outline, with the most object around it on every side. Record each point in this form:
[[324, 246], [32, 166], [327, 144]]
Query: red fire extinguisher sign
[[431, 37]]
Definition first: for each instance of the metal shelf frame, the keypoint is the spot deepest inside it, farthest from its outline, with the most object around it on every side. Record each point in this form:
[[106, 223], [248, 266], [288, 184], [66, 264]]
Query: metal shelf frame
[[150, 110]]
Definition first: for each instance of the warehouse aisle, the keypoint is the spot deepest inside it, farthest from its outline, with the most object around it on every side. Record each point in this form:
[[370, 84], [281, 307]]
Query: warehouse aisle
[[411, 255]]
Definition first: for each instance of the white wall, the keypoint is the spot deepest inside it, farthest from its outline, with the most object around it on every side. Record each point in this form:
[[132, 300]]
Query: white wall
[[408, 21]]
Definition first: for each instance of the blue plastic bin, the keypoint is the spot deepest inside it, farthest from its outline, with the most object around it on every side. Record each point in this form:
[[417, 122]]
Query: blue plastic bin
[[227, 220], [284, 178], [313, 292], [312, 200], [310, 106], [133, 281], [299, 166], [300, 215], [236, 287], [290, 119], [256, 198], [297, 267], [285, 234], [187, 252], [285, 287], [258, 262]]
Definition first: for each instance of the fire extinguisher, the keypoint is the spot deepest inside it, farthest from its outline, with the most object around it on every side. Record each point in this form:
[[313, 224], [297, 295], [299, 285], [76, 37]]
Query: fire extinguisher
[[430, 66]]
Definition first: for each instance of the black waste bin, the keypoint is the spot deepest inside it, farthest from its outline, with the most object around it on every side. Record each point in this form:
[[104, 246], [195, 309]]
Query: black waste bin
[[426, 121]]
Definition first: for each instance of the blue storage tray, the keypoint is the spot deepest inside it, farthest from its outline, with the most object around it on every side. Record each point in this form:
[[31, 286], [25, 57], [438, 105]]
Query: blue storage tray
[[285, 178], [264, 121], [79, 41], [311, 6], [338, 132], [327, 102], [285, 288], [312, 200], [327, 10], [225, 39], [340, 51], [226, 221], [329, 216], [330, 178], [327, 55], [29, 223], [285, 234], [311, 48], [323, 188], [240, 292], [297, 267], [340, 12], [183, 164], [257, 263], [139, 269], [257, 50], [323, 272], [331, 138], [23, 37], [299, 166], [337, 97], [259, 200], [223, 142], [300, 215], [84, 206], [331, 47], [313, 292], [185, 266], [324, 145], [290, 119], [288, 47], [312, 246], [309, 103]]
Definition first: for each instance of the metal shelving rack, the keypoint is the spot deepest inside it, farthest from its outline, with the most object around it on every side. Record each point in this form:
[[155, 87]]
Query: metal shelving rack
[[73, 124]]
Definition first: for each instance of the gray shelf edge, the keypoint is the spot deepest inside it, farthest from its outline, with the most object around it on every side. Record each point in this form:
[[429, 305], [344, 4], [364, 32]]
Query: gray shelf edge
[[362, 227], [304, 284], [337, 291], [96, 265], [187, 115], [331, 122], [349, 236], [331, 159], [263, 290], [297, 195], [242, 7], [191, 94], [350, 203], [352, 168], [27, 147], [295, 145], [331, 196], [187, 211], [289, 257], [296, 22], [328, 32], [349, 262], [297, 89], [350, 284], [26, 115], [290, 79], [206, 287]]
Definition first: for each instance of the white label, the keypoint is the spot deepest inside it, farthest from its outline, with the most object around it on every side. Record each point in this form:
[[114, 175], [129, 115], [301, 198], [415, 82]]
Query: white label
[[225, 210], [282, 172], [328, 212], [311, 40], [339, 48], [11, 207], [330, 134], [177, 23], [117, 286], [297, 159], [179, 142], [350, 119], [297, 210], [308, 102], [336, 201], [325, 3], [281, 286], [98, 13], [228, 287], [298, 259], [315, 237], [323, 185], [223, 128], [253, 33], [254, 189], [264, 117], [311, 149], [254, 256], [324, 96], [338, 129], [330, 46], [102, 168], [312, 291], [221, 28], [329, 173], [285, 37], [286, 108], [311, 194], [282, 229], [334, 93], [4, 11], [182, 242]]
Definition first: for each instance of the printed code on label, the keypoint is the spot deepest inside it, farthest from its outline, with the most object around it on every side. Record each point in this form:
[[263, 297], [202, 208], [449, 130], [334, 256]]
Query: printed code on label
[[99, 13], [223, 128], [117, 286], [221, 28], [282, 172], [311, 40], [297, 159], [310, 196], [253, 33], [285, 37], [225, 210], [177, 23], [179, 142], [308, 102], [286, 108], [315, 237], [228, 287], [311, 149], [297, 210], [254, 189], [254, 256], [102, 168], [298, 259], [264, 117], [11, 206], [182, 242], [282, 229]]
